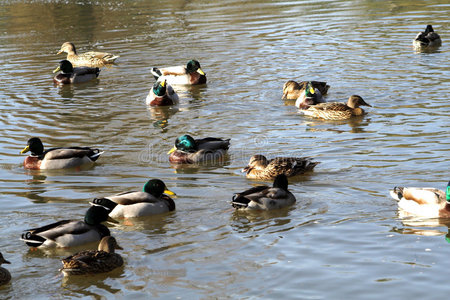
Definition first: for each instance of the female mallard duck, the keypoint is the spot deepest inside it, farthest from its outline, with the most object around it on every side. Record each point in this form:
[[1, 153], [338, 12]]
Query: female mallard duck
[[162, 94], [5, 276], [88, 59], [150, 201], [337, 110], [189, 74], [427, 39], [261, 168], [264, 197], [309, 96], [423, 202], [70, 233], [190, 151], [57, 158], [69, 74], [292, 90], [94, 261]]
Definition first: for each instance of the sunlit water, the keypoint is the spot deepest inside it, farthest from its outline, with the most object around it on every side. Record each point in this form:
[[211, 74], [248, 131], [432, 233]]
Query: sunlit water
[[343, 237]]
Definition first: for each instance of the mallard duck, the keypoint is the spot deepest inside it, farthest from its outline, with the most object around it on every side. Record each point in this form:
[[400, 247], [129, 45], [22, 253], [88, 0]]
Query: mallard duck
[[423, 202], [292, 90], [5, 276], [94, 261], [150, 201], [69, 74], [427, 38], [309, 96], [337, 110], [264, 197], [57, 158], [70, 233], [162, 94], [88, 59], [261, 168], [189, 74], [190, 151]]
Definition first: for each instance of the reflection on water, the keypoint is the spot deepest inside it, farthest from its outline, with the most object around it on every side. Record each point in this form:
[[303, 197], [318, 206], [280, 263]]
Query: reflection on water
[[343, 228]]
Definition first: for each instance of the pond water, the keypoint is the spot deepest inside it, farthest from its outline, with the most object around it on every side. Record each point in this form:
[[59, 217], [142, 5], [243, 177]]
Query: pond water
[[343, 237]]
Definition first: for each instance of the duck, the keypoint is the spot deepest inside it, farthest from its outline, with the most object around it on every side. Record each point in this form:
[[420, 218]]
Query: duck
[[309, 96], [88, 59], [57, 158], [151, 200], [94, 261], [162, 94], [190, 74], [264, 197], [259, 167], [423, 202], [427, 39], [69, 233], [337, 110], [293, 89], [69, 74], [5, 276], [188, 150]]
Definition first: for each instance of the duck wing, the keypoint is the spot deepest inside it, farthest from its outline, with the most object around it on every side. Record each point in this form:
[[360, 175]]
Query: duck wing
[[128, 198], [69, 152], [289, 166], [211, 143]]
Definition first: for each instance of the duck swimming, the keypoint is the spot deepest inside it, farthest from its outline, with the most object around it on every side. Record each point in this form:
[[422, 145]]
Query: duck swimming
[[264, 197], [337, 110], [292, 90], [150, 201], [94, 261], [5, 276], [70, 233], [309, 96], [190, 74], [88, 59], [57, 158], [423, 202], [189, 150], [427, 39], [162, 94], [69, 74], [259, 167]]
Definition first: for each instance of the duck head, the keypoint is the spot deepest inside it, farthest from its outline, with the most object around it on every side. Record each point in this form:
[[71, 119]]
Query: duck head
[[2, 260], [281, 182], [65, 67], [159, 88], [96, 215], [108, 244], [35, 146], [194, 66], [184, 143], [355, 101], [447, 193], [256, 162], [156, 187]]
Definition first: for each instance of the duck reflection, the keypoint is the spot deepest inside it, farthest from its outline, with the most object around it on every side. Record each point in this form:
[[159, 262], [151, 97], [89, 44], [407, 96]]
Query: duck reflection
[[160, 115], [278, 220], [423, 226]]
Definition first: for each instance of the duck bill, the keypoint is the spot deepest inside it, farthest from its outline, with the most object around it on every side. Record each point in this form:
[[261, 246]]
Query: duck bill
[[59, 52], [284, 96], [57, 69], [25, 150], [200, 71], [246, 169], [163, 83], [311, 90], [118, 247], [169, 192], [172, 150]]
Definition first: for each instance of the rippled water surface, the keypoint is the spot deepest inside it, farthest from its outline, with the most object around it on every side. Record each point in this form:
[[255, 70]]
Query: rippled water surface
[[343, 237]]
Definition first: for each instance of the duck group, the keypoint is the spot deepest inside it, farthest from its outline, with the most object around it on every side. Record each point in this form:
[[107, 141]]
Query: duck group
[[154, 198]]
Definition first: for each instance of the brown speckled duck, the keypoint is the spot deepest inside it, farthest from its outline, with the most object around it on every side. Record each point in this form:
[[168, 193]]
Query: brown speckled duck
[[337, 110], [94, 261], [261, 168], [88, 59]]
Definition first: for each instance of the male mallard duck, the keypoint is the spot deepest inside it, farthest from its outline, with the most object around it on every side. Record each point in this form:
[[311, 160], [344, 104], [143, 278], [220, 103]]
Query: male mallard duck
[[423, 202], [94, 261], [264, 197], [309, 96], [189, 74], [261, 168], [88, 59], [69, 74], [5, 276], [70, 233], [150, 201], [190, 151], [292, 89], [337, 110], [57, 158], [162, 94], [427, 38]]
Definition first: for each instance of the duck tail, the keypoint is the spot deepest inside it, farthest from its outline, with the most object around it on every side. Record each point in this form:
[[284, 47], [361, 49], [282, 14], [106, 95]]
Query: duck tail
[[239, 201], [96, 154], [397, 193], [156, 73], [111, 59], [32, 240], [105, 203]]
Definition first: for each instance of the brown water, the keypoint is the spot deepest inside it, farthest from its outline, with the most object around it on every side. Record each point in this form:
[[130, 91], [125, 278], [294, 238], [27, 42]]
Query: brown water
[[343, 238]]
